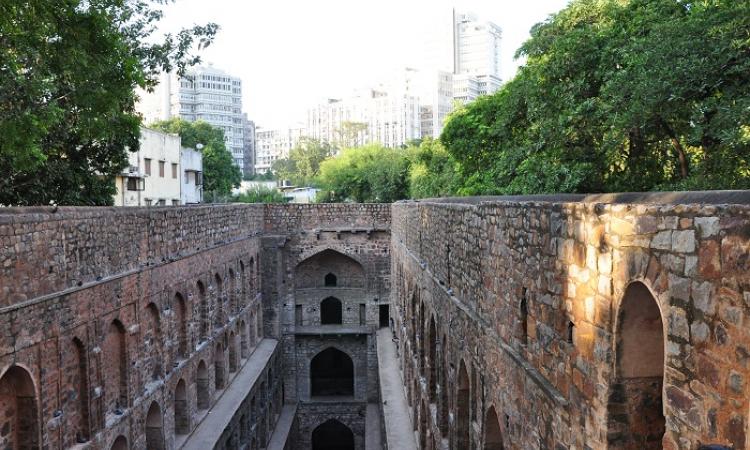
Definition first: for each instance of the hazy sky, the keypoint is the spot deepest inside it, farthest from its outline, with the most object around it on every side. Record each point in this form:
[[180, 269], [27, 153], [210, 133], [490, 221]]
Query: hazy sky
[[291, 54]]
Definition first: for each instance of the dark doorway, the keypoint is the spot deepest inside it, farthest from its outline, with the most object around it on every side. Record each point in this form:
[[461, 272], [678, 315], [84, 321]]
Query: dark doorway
[[384, 315], [330, 280], [332, 435], [330, 311], [331, 374]]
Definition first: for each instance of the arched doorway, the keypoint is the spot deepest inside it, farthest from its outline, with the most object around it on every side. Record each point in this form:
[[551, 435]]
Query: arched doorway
[[154, 428], [219, 380], [493, 437], [181, 417], [330, 280], [636, 418], [121, 443], [462, 407], [330, 311], [332, 435], [18, 409], [331, 374], [202, 386]]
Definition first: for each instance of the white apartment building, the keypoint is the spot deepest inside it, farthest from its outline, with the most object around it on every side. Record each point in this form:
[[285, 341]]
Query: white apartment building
[[476, 52], [271, 145], [160, 173], [248, 167], [204, 93], [191, 164], [153, 175]]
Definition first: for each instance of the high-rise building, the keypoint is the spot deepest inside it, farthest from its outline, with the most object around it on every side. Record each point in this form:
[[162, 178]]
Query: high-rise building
[[476, 51], [249, 158], [203, 93], [274, 144]]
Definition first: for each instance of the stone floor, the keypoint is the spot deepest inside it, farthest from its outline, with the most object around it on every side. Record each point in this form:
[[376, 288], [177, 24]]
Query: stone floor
[[398, 426]]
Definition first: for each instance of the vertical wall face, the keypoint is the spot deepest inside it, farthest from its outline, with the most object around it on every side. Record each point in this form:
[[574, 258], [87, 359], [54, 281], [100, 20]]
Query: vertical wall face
[[105, 315], [326, 274], [562, 325]]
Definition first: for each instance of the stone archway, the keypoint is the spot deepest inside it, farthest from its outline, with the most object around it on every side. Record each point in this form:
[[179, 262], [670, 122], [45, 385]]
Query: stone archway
[[635, 412], [154, 428], [493, 437], [331, 311], [331, 374], [463, 407], [18, 410], [332, 435]]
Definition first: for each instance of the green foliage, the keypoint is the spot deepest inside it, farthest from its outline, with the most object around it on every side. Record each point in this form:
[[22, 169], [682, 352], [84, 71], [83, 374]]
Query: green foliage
[[433, 172], [372, 173], [68, 71], [350, 133], [616, 96], [303, 163], [220, 174], [261, 194]]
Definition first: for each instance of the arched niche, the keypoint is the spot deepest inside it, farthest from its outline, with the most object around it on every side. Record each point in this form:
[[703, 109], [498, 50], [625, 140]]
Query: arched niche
[[332, 435], [331, 311], [635, 411], [18, 410], [331, 374], [493, 437], [327, 266], [154, 428]]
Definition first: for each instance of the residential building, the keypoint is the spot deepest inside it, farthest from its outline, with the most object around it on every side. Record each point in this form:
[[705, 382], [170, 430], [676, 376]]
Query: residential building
[[274, 144], [191, 162], [476, 53], [153, 174], [248, 167], [203, 93]]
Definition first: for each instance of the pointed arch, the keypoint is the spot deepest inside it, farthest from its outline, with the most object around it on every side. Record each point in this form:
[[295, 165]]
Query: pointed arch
[[220, 296], [181, 325], [232, 293], [443, 402], [331, 311], [331, 374], [493, 437], [116, 368], [432, 355], [203, 311], [152, 341], [121, 443], [332, 435], [181, 415], [326, 266], [154, 428], [204, 398], [233, 362], [219, 376], [244, 346], [19, 410], [81, 419], [635, 409]]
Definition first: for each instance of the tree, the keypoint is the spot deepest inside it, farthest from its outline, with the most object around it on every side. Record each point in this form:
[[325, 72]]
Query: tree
[[372, 173], [350, 133], [220, 174], [68, 71], [432, 171], [261, 194], [634, 95], [303, 163]]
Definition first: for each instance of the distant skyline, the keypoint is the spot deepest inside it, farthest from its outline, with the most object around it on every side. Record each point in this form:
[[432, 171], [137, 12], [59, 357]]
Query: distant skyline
[[292, 54]]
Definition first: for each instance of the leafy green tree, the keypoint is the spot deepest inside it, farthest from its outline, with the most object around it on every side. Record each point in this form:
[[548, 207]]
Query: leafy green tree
[[68, 71], [432, 171], [350, 133], [261, 194], [303, 163], [634, 95], [220, 174], [372, 173]]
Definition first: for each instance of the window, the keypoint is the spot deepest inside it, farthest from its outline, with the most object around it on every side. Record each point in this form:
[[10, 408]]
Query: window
[[135, 184], [174, 170], [161, 169], [147, 165], [198, 178], [162, 202], [148, 202], [175, 202]]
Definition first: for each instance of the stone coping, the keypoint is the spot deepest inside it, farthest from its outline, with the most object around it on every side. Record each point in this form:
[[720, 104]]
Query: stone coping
[[665, 198]]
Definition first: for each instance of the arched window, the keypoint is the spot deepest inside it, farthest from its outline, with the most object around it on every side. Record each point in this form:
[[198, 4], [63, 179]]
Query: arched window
[[463, 407], [232, 294], [202, 385], [181, 325], [331, 374], [203, 308], [330, 311], [19, 410], [116, 368], [220, 300], [493, 438], [154, 428], [322, 268], [330, 280], [121, 443], [244, 347], [80, 420], [636, 418], [332, 435], [219, 381]]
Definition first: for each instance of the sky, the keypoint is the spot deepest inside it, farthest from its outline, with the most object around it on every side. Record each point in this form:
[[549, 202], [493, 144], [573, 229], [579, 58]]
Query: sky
[[291, 55]]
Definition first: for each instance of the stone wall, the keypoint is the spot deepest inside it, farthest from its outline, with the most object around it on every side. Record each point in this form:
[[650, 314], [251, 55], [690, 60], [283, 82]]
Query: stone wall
[[123, 324], [516, 311]]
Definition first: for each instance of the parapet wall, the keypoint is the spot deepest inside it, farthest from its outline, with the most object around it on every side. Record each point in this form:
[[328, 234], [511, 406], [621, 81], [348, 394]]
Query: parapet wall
[[530, 340]]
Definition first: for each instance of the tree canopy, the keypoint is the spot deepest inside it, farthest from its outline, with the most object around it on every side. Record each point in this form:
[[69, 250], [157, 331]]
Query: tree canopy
[[303, 164], [220, 174], [68, 73], [616, 96]]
